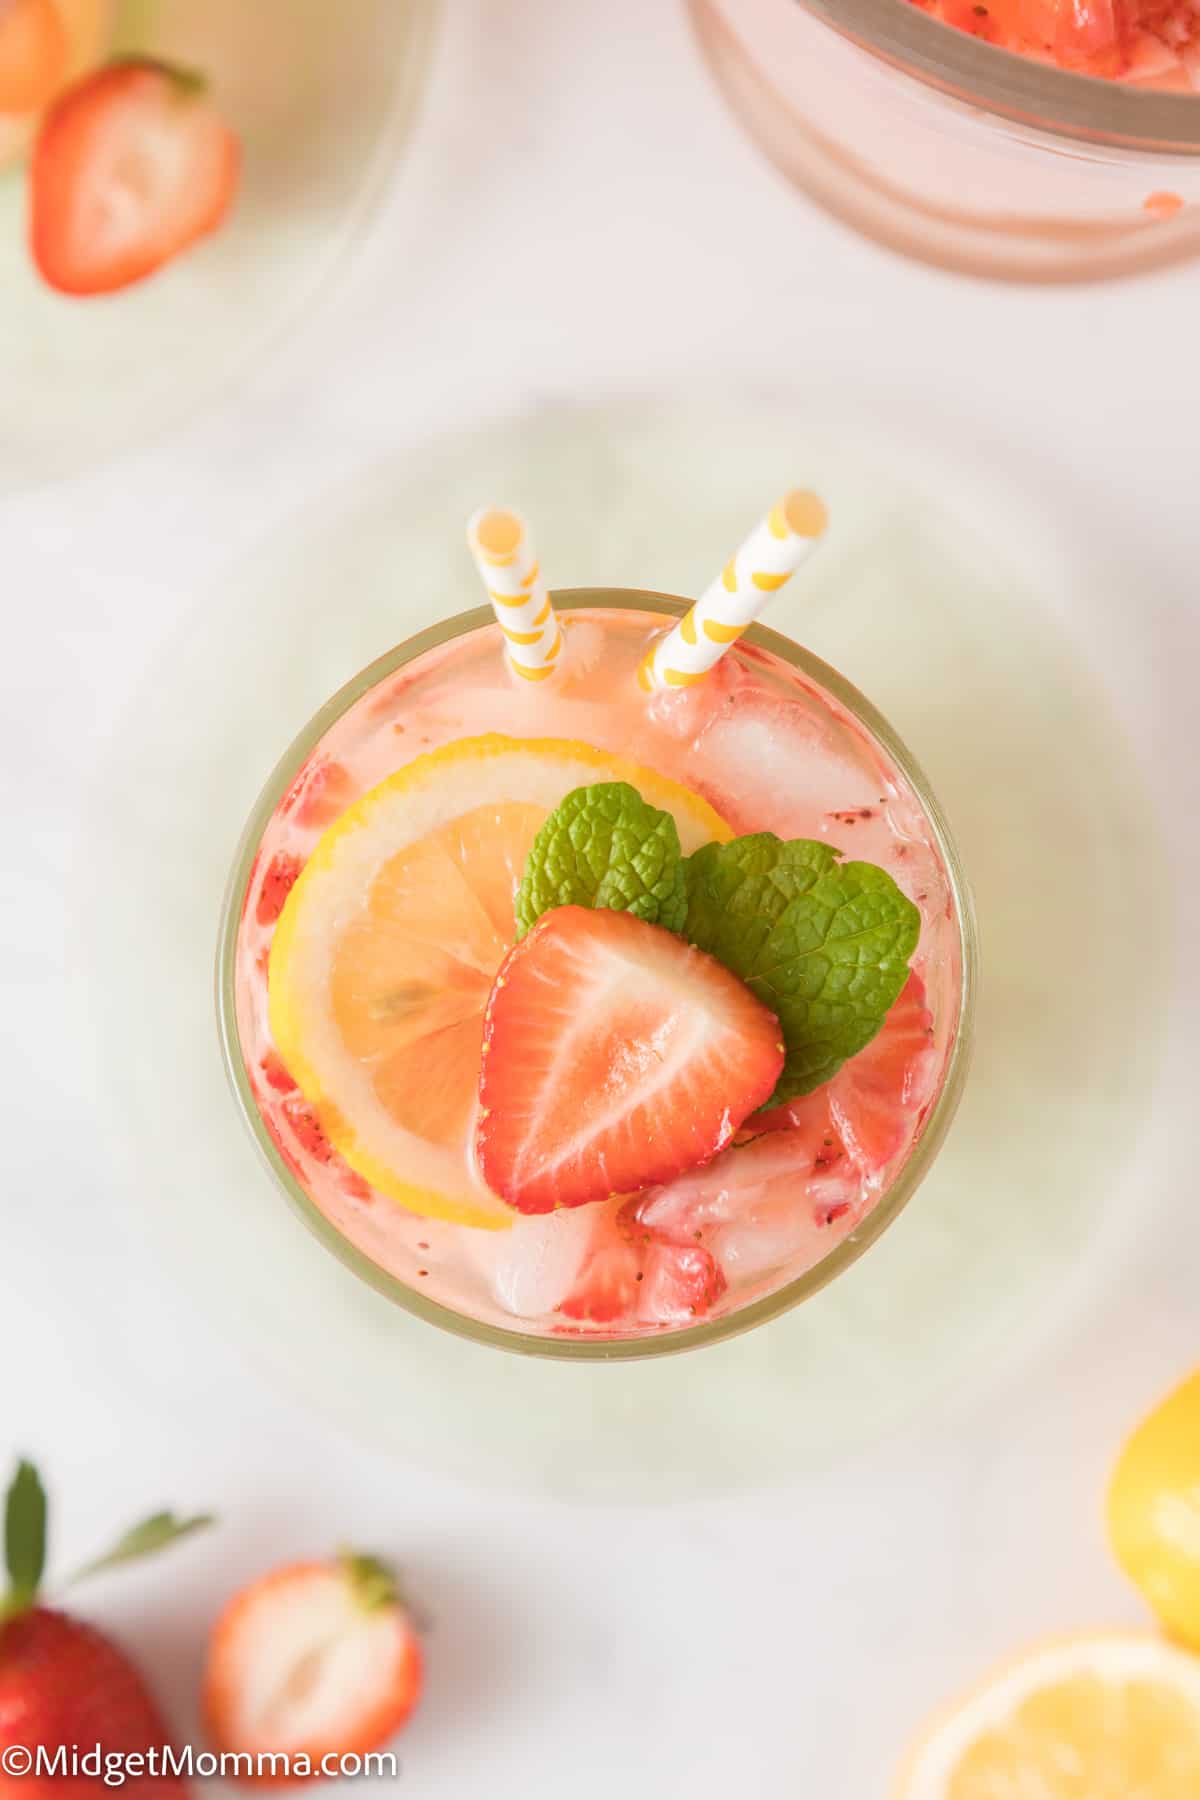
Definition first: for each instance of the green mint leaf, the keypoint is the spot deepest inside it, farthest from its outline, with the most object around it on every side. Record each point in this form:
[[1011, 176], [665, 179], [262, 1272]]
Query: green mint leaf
[[603, 846], [153, 1534], [24, 1537], [825, 944]]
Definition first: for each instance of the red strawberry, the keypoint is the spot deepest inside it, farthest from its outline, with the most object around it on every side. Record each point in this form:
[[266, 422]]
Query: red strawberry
[[130, 166], [33, 54], [614, 1055], [319, 1659], [61, 1681], [277, 883]]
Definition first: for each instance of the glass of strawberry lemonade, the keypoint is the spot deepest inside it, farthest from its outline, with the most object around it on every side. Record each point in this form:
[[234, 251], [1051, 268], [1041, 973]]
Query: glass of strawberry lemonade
[[590, 1021]]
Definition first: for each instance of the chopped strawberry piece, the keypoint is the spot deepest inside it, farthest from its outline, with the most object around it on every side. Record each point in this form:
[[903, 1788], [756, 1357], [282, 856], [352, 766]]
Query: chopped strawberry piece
[[607, 1287], [321, 794], [33, 54], [275, 1075], [130, 166], [614, 1055], [277, 883], [756, 1210], [307, 1129], [632, 1275], [869, 1109], [679, 1282], [875, 1097], [352, 1183]]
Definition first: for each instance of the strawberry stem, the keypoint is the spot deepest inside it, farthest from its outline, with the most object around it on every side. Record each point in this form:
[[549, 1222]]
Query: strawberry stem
[[373, 1581]]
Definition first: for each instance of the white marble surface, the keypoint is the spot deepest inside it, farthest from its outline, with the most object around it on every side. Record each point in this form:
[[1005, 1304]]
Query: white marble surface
[[601, 236]]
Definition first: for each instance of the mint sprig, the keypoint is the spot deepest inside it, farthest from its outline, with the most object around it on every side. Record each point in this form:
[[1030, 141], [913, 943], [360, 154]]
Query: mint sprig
[[604, 846], [825, 944]]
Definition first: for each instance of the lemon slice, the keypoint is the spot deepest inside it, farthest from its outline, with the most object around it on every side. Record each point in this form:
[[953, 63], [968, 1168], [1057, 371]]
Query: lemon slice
[[1154, 1510], [1088, 1718], [384, 954]]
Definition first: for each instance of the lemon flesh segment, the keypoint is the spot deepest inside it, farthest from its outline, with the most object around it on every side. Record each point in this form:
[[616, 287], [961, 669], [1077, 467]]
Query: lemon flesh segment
[[1154, 1510], [387, 946], [1095, 1718]]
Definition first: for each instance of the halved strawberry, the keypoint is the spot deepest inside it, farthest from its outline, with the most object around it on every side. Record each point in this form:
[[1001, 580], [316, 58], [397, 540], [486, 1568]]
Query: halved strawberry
[[614, 1055], [868, 1109], [33, 54], [319, 1659], [130, 166]]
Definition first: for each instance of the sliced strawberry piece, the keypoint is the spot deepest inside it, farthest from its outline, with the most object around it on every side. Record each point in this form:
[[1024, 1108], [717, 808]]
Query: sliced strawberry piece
[[130, 166], [809, 1116], [307, 1129], [321, 794], [607, 1286], [319, 1659], [278, 881], [275, 1075], [679, 1283], [868, 1110], [875, 1098], [759, 1209], [632, 1276], [614, 1055], [33, 54]]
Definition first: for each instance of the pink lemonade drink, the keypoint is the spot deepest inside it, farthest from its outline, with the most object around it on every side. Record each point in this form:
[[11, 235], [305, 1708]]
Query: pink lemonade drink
[[578, 1146]]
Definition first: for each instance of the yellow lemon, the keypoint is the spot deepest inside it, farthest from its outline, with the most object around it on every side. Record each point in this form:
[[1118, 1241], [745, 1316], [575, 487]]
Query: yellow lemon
[[1086, 1718], [385, 952], [1154, 1510]]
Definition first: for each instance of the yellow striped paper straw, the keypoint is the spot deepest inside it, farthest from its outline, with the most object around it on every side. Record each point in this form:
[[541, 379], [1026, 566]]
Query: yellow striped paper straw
[[774, 550], [506, 560]]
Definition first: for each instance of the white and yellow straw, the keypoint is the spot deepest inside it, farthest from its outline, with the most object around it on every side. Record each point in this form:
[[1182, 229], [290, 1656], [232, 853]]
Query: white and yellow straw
[[504, 554], [774, 551]]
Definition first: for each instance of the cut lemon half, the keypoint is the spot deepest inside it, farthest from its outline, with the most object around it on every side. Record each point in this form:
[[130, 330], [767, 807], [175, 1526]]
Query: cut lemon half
[[385, 952], [1154, 1510], [1087, 1718]]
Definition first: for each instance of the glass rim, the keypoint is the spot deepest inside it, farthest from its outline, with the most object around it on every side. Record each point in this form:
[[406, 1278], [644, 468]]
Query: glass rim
[[563, 1347], [1061, 101]]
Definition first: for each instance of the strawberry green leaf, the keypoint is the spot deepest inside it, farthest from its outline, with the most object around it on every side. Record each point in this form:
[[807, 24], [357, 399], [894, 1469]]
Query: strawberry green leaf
[[605, 847], [825, 944], [24, 1537], [152, 1535]]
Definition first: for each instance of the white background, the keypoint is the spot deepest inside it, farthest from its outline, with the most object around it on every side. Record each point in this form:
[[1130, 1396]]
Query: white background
[[578, 216]]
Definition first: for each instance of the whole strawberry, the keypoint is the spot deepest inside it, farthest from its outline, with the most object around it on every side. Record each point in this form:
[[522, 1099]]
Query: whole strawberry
[[63, 1685]]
